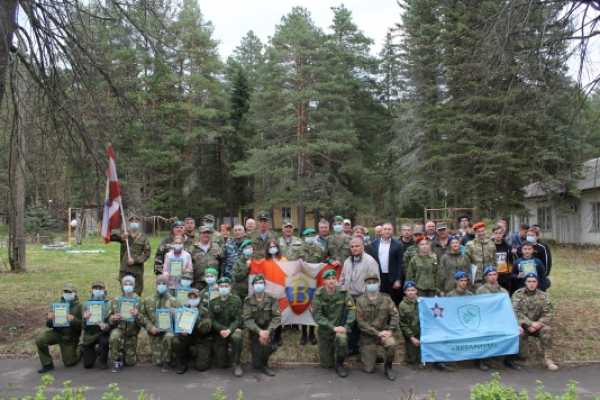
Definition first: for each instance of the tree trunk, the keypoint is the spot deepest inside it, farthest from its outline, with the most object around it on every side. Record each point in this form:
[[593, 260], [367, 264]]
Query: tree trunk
[[16, 203], [8, 18]]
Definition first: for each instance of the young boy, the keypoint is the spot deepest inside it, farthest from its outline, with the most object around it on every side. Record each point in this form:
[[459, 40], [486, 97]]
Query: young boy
[[528, 264]]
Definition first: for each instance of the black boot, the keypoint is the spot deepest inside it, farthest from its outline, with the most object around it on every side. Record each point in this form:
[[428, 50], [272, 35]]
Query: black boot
[[304, 337], [181, 367], [389, 373], [46, 368], [311, 335], [341, 370]]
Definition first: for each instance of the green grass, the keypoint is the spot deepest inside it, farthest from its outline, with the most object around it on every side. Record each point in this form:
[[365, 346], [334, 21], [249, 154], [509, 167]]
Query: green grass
[[24, 298]]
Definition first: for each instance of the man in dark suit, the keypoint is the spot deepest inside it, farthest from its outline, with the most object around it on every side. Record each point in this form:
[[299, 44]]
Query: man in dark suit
[[387, 251]]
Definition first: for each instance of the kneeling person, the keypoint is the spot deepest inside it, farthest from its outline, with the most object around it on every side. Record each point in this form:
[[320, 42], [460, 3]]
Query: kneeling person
[[408, 311], [377, 319], [66, 337], [94, 344], [334, 312]]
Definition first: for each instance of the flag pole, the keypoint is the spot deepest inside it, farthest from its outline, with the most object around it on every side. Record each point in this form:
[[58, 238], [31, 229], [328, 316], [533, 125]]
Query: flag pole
[[124, 223]]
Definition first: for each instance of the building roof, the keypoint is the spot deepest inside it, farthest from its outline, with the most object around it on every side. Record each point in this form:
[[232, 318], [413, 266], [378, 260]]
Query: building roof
[[590, 179]]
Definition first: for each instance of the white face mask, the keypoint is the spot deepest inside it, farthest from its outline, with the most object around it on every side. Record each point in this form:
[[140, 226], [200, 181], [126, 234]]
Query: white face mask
[[127, 288], [337, 228], [210, 280], [248, 252], [186, 283], [273, 250], [69, 296], [193, 302], [531, 238], [259, 287]]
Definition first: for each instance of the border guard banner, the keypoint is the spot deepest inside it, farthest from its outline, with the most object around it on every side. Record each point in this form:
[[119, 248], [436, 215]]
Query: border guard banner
[[467, 327]]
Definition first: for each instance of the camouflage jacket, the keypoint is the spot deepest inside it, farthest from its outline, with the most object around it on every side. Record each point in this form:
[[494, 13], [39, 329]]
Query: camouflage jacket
[[487, 288], [159, 258], [374, 316], [314, 252], [149, 306], [207, 295], [226, 313], [338, 247], [240, 277], [91, 333], [203, 259], [410, 252], [423, 270], [331, 310], [203, 324], [532, 306], [259, 244], [261, 315], [459, 292], [139, 247], [481, 254], [292, 250], [451, 263], [231, 253], [408, 311], [129, 328]]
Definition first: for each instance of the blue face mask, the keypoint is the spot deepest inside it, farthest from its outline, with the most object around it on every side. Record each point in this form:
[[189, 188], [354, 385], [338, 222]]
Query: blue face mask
[[248, 252], [161, 288], [134, 226], [69, 296], [210, 280], [259, 287], [531, 238], [337, 228], [98, 293], [372, 287], [186, 283], [273, 250], [209, 225], [224, 291], [193, 302], [127, 288]]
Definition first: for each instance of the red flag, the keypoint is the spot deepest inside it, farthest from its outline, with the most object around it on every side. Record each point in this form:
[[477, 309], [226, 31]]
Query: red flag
[[111, 218]]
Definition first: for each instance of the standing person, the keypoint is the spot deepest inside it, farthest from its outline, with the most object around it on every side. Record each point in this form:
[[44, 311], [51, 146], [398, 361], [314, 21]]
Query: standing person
[[527, 264], [542, 252], [406, 238], [387, 252], [124, 335], [209, 221], [205, 253], [67, 337], [481, 252], [241, 270], [338, 245], [518, 238], [161, 342], [132, 263], [504, 258], [377, 320], [94, 344], [377, 230], [225, 313], [323, 237], [189, 232], [261, 317], [290, 246], [464, 227], [225, 230], [408, 312], [442, 240], [177, 229], [461, 288], [261, 237], [451, 263], [232, 250], [423, 269], [335, 313], [347, 226], [313, 253], [250, 225], [534, 314], [199, 340], [430, 231], [177, 261]]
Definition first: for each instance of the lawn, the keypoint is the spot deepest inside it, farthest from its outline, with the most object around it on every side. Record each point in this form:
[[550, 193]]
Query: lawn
[[24, 299]]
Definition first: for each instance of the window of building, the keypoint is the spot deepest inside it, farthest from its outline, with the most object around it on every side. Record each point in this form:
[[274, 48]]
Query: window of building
[[544, 218], [286, 213], [595, 217]]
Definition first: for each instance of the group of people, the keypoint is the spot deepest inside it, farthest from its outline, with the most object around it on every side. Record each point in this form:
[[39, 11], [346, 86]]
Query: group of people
[[368, 300]]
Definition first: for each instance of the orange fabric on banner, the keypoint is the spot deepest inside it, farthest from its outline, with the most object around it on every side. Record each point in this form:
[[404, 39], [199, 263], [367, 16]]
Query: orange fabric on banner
[[269, 268], [319, 277]]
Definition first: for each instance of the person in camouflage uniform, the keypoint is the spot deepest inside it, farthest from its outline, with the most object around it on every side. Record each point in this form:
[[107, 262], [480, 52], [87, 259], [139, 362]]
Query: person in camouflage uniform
[[216, 237], [334, 312], [408, 311], [480, 251], [423, 269], [338, 245], [124, 335], [377, 319], [177, 229], [441, 243], [312, 253], [462, 285], [290, 246], [241, 270], [211, 291], [67, 338], [195, 347], [232, 251], [96, 336], [262, 236], [189, 233], [451, 263], [139, 250], [161, 342], [205, 253], [534, 314], [261, 317], [225, 313]]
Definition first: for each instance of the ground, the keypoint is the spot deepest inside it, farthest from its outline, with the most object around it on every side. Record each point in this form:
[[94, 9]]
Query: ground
[[25, 298]]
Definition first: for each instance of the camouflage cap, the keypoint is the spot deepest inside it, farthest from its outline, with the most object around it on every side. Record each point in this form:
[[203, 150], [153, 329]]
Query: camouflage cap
[[204, 229], [372, 277], [209, 218], [258, 278], [69, 287], [309, 232], [212, 271], [99, 284], [264, 215], [441, 226], [347, 221], [287, 222], [224, 279], [329, 273], [176, 224], [134, 218]]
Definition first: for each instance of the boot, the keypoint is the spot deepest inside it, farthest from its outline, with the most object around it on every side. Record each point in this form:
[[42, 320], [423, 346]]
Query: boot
[[304, 337], [483, 366], [341, 370], [389, 373], [268, 371], [311, 335], [443, 367], [512, 365], [164, 367], [181, 367], [46, 368], [550, 365], [237, 370]]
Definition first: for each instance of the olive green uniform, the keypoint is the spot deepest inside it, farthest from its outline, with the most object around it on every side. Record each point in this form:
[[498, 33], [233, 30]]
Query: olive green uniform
[[207, 295], [163, 248], [203, 259], [240, 277], [372, 317], [260, 243], [94, 335], [124, 336], [329, 311], [197, 345], [338, 247], [261, 315], [292, 249], [481, 253], [534, 307], [451, 263], [67, 338], [423, 270], [162, 343], [487, 288], [410, 327], [139, 247], [226, 314], [459, 292]]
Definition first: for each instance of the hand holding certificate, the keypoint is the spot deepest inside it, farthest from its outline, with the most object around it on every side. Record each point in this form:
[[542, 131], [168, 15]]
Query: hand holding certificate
[[61, 315], [164, 321], [185, 320], [176, 268], [127, 307], [97, 312]]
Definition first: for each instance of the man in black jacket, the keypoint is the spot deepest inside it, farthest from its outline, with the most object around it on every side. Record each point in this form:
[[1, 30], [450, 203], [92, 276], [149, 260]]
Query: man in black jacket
[[387, 251]]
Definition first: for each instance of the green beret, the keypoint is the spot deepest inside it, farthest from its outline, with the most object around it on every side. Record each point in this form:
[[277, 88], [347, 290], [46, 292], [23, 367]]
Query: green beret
[[329, 273], [338, 218], [212, 271], [245, 243], [259, 277], [309, 232], [224, 280]]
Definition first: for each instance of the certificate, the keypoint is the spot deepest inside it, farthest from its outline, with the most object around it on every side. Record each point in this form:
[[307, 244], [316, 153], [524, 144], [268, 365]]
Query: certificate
[[61, 311], [181, 295], [185, 319], [97, 310], [164, 322], [502, 262], [527, 267], [176, 267], [126, 306]]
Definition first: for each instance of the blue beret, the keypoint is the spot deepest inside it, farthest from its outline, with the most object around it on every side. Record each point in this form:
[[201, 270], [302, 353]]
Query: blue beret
[[409, 284], [460, 275], [531, 275], [489, 269]]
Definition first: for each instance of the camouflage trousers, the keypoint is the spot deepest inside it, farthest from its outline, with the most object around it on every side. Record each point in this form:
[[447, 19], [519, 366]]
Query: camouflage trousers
[[368, 350], [162, 347], [412, 353], [227, 350], [193, 350], [69, 350], [545, 337], [261, 352], [333, 347], [123, 347]]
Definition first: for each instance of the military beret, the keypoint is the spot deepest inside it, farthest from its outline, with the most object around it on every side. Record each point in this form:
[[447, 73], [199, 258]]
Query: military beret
[[264, 215], [372, 277], [176, 224], [162, 279], [460, 275], [204, 229], [420, 238], [531, 275], [246, 242], [187, 275], [224, 279], [488, 269], [257, 278], [211, 271], [128, 278], [194, 291], [309, 232], [99, 284], [209, 217], [69, 287], [287, 222], [479, 225], [329, 273], [409, 284], [338, 218]]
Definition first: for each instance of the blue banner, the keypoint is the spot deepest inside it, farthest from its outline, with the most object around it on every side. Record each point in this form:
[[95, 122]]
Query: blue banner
[[467, 327]]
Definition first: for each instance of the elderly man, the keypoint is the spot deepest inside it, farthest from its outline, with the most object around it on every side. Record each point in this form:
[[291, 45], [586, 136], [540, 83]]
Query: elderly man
[[430, 231], [347, 224], [250, 225], [205, 253], [263, 236], [290, 246], [387, 251], [356, 268], [377, 231]]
